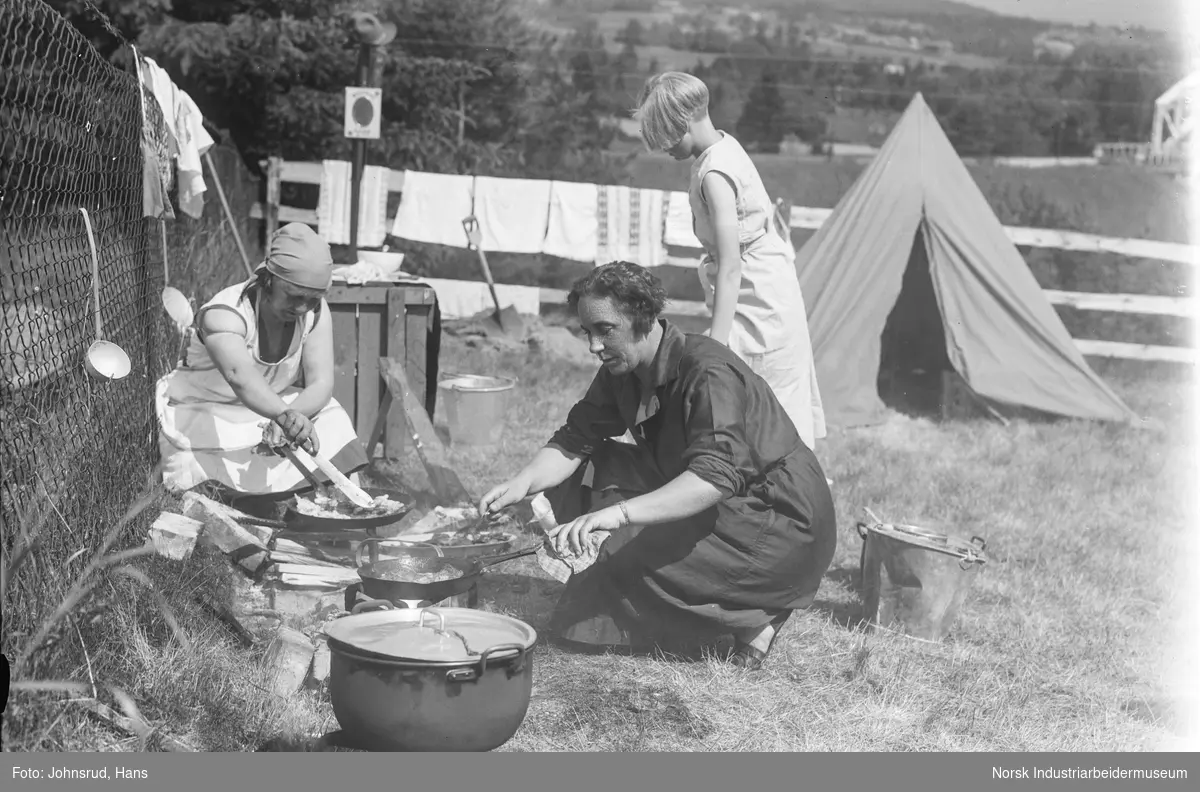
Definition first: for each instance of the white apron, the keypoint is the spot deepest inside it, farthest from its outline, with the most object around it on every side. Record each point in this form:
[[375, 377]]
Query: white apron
[[206, 434]]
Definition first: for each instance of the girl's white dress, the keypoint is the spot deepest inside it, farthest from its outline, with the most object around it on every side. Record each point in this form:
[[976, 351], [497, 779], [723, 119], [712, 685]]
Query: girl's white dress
[[770, 326]]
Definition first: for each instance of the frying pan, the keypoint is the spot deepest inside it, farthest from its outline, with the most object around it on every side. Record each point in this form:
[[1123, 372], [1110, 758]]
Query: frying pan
[[381, 590], [299, 521], [296, 520], [422, 548]]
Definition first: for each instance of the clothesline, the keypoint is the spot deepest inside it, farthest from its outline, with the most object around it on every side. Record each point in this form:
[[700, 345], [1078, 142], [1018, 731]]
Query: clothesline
[[678, 234], [580, 221]]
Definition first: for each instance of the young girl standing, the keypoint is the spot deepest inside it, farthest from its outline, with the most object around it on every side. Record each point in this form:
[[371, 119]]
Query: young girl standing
[[748, 270]]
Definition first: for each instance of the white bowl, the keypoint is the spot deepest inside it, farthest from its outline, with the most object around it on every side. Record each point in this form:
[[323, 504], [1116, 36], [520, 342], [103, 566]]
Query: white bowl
[[178, 308], [107, 361]]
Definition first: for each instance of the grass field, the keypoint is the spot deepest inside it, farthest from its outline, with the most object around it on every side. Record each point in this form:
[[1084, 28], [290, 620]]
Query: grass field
[[1063, 643]]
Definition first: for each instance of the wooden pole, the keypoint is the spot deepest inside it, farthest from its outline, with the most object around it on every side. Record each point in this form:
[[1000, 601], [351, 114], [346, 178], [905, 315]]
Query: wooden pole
[[359, 160], [237, 236], [370, 76]]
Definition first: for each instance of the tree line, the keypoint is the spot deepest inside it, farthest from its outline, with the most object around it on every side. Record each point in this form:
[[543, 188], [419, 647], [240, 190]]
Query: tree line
[[476, 86], [774, 82]]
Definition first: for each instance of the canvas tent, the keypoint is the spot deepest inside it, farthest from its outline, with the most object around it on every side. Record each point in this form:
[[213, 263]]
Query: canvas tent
[[913, 260]]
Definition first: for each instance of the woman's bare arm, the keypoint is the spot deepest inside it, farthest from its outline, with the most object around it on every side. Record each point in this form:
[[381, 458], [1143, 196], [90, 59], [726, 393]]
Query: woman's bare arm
[[722, 207], [224, 334]]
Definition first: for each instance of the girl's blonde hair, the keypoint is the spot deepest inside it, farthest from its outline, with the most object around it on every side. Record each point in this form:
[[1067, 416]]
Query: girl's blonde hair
[[669, 103]]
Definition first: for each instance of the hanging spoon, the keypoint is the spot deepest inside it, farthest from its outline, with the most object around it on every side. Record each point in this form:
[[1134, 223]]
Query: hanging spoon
[[105, 360]]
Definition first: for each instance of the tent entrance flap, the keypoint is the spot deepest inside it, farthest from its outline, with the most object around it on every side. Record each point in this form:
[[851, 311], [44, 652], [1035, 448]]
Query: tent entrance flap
[[913, 344]]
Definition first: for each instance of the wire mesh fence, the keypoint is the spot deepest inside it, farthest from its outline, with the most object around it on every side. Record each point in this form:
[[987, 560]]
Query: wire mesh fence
[[71, 137]]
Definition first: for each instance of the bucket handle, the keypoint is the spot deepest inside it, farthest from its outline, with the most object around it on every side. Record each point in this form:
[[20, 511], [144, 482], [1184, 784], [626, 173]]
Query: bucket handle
[[978, 545], [445, 376]]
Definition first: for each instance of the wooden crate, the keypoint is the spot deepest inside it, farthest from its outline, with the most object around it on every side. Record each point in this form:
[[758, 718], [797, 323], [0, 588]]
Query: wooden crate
[[383, 320]]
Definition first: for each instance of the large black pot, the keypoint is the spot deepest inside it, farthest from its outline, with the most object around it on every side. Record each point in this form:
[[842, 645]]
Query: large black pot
[[471, 702]]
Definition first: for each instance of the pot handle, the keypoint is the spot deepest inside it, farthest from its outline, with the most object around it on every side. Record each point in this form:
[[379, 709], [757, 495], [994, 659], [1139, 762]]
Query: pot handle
[[370, 605], [475, 672]]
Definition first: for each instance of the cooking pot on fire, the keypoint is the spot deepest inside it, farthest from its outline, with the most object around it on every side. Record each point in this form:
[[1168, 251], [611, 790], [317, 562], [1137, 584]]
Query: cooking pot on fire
[[434, 679]]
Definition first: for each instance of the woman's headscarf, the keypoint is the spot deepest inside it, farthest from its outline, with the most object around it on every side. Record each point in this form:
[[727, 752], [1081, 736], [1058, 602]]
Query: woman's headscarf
[[300, 257]]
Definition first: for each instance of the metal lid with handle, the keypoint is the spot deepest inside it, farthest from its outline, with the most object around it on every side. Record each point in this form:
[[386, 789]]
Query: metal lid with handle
[[969, 551], [431, 635]]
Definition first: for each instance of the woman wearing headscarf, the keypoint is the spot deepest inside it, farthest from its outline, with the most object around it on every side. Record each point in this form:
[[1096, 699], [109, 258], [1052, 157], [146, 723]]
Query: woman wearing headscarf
[[718, 521], [258, 374]]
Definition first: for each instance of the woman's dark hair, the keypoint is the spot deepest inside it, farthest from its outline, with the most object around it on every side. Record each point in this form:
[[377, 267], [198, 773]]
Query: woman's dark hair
[[635, 290], [262, 280]]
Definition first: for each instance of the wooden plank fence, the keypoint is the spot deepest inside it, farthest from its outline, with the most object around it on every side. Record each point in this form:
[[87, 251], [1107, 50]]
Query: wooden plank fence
[[811, 218]]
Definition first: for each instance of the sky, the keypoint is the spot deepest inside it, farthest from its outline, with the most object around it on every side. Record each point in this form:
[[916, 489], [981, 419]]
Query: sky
[[1158, 14]]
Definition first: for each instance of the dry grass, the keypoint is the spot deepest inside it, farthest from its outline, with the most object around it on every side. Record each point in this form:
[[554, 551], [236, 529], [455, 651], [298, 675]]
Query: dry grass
[[1058, 646], [135, 637]]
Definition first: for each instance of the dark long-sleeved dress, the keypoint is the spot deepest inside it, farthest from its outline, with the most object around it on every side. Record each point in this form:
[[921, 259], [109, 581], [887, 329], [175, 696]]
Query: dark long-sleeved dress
[[761, 550]]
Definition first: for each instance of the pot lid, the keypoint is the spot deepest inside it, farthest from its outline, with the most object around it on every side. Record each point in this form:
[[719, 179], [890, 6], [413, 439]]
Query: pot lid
[[969, 549], [433, 635]]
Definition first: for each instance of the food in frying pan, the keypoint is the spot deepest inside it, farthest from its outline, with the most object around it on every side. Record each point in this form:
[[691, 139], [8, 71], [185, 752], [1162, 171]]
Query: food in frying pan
[[339, 507], [461, 527], [402, 572], [470, 538]]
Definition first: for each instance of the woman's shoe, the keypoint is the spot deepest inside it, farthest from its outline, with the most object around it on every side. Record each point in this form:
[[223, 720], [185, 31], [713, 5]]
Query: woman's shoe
[[747, 657]]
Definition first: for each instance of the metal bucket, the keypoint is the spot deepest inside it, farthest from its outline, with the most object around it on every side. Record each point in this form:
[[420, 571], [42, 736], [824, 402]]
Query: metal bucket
[[476, 407], [915, 579]]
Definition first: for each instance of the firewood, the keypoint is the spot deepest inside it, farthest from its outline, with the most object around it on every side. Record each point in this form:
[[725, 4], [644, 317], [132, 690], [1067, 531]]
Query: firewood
[[290, 653], [223, 531]]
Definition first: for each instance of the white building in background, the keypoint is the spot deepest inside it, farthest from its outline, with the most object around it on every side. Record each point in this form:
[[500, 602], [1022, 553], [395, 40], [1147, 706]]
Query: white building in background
[[1173, 120], [1171, 131], [1055, 48]]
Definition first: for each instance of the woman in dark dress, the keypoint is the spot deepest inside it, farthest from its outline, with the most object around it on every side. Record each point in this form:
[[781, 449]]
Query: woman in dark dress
[[721, 518]]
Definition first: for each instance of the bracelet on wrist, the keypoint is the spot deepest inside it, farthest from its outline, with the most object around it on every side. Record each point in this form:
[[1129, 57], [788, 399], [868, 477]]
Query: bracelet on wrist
[[624, 512]]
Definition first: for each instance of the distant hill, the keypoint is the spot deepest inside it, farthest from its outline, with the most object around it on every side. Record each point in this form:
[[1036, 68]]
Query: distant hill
[[879, 7], [902, 7]]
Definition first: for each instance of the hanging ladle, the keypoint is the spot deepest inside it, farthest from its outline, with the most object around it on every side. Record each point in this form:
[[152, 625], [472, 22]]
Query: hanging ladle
[[105, 360], [178, 307], [179, 310]]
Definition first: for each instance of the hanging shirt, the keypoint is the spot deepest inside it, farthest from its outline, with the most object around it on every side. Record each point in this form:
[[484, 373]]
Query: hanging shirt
[[186, 124]]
